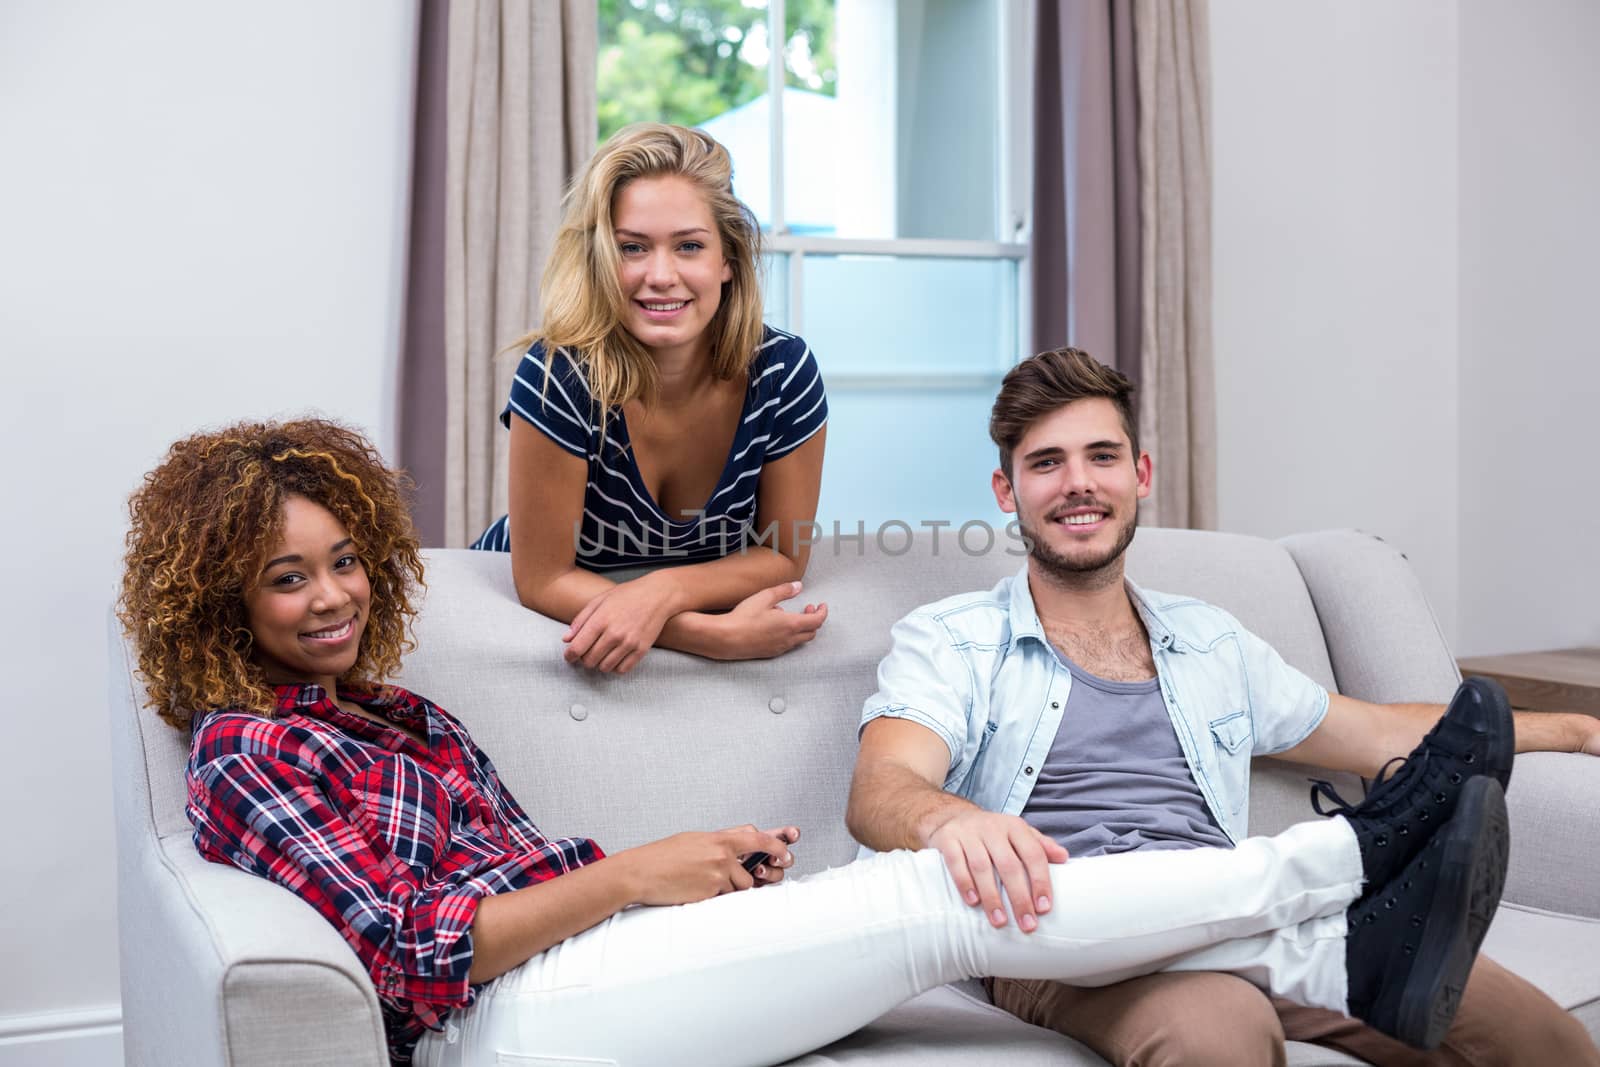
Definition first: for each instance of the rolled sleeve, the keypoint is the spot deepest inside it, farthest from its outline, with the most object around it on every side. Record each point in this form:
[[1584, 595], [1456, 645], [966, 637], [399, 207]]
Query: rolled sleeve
[[1285, 705], [924, 680]]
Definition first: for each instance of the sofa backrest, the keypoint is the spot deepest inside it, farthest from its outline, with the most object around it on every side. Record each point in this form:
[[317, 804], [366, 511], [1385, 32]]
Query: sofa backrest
[[682, 743]]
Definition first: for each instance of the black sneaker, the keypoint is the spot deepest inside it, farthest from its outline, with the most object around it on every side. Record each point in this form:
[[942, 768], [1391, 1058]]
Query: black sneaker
[[1411, 944], [1475, 736]]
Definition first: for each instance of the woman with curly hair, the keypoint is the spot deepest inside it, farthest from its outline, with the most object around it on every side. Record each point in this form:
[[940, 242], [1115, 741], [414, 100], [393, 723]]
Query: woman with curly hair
[[199, 572], [270, 569], [655, 420]]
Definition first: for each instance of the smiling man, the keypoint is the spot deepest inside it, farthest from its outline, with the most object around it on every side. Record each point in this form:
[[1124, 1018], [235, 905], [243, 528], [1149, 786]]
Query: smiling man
[[1067, 710]]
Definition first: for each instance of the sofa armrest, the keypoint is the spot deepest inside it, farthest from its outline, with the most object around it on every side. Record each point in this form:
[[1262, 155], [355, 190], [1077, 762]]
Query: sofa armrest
[[263, 979], [1555, 833], [218, 966]]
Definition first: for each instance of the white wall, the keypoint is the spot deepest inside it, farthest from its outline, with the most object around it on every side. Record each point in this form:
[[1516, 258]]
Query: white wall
[[204, 211], [1404, 252], [1335, 257], [1530, 350]]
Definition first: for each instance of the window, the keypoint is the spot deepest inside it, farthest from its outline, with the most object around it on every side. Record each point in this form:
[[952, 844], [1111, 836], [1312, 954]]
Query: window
[[881, 146]]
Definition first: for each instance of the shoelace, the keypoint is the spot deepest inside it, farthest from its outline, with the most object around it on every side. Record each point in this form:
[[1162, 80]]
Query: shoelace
[[1400, 779]]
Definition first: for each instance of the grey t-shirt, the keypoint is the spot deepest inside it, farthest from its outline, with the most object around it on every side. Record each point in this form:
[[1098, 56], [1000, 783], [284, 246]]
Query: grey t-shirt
[[1115, 779]]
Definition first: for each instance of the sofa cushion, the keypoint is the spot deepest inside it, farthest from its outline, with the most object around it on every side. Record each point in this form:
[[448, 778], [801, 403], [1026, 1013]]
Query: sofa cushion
[[1557, 953], [954, 1025]]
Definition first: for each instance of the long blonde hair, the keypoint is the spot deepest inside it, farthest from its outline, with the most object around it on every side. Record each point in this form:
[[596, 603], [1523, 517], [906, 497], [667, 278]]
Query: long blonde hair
[[583, 303]]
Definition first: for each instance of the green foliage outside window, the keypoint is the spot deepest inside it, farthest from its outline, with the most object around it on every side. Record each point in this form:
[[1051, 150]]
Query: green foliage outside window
[[686, 62]]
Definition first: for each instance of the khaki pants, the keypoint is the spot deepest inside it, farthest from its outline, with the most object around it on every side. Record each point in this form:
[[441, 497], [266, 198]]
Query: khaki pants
[[1197, 1019]]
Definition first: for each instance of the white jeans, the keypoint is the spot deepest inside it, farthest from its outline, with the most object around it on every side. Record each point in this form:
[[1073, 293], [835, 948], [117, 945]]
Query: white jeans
[[765, 975]]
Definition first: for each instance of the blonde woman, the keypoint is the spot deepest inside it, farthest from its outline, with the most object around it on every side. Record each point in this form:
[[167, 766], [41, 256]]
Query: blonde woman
[[655, 420]]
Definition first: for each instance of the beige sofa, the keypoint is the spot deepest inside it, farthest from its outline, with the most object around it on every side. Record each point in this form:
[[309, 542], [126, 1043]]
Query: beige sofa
[[220, 967]]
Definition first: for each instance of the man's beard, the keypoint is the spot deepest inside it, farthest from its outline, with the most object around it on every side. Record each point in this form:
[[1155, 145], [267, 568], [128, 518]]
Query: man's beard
[[1082, 573]]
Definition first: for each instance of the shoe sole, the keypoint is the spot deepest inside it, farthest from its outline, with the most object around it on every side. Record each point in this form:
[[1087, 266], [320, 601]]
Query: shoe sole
[[1500, 728], [1475, 851]]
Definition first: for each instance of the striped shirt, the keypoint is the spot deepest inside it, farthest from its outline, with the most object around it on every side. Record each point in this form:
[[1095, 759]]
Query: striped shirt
[[623, 526], [393, 842]]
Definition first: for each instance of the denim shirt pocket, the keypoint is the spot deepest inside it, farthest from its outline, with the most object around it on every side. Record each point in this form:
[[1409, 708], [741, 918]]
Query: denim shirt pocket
[[1231, 738], [975, 768]]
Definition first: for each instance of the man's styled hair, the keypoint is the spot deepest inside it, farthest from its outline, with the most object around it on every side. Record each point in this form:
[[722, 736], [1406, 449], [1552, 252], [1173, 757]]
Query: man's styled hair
[[1049, 381], [203, 524], [581, 300]]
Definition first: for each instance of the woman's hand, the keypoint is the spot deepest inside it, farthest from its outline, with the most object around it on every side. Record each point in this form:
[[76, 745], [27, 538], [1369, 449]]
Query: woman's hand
[[684, 868], [615, 629], [759, 628], [771, 871]]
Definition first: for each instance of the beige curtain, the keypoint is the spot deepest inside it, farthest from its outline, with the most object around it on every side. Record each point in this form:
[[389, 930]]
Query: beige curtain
[[521, 119], [420, 432], [1177, 411]]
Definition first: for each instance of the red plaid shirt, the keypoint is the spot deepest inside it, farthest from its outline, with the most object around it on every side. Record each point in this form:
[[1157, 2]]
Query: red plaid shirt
[[395, 844]]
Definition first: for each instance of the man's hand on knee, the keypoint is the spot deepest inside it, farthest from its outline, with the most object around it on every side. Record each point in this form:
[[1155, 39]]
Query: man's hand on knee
[[985, 851]]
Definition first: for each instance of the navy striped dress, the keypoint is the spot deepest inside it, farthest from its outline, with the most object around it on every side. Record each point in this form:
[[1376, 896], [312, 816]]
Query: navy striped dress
[[623, 526]]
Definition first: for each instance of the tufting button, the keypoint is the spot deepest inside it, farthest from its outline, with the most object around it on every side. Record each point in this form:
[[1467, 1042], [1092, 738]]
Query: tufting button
[[579, 712], [776, 705]]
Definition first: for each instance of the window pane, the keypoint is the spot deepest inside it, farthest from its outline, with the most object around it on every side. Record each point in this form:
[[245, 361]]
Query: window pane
[[940, 332], [775, 290], [890, 109], [904, 315], [690, 64], [907, 145], [913, 455], [665, 61]]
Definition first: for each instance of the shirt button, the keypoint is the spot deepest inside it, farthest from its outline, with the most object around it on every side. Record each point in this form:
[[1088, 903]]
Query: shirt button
[[1027, 770], [776, 705], [1055, 704], [579, 712]]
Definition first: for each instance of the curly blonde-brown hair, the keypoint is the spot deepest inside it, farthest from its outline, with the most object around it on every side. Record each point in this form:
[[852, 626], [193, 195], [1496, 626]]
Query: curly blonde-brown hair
[[203, 524]]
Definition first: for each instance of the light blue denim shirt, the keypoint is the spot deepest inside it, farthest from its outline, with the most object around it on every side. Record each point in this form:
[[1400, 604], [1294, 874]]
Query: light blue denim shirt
[[978, 671]]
